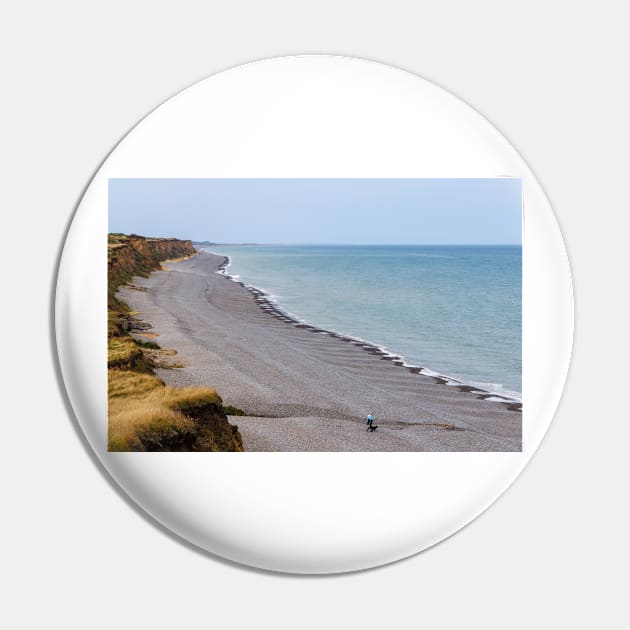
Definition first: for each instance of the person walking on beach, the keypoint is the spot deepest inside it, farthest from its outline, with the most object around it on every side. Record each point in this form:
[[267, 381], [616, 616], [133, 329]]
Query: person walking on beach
[[369, 421]]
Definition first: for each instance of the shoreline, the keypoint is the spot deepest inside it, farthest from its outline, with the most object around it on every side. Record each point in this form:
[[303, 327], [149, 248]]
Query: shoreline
[[303, 388], [268, 304]]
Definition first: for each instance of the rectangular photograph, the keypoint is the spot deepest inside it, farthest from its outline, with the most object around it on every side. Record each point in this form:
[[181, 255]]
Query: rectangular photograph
[[315, 315]]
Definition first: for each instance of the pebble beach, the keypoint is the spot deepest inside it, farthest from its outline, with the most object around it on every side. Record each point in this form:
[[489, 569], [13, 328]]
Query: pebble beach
[[305, 388]]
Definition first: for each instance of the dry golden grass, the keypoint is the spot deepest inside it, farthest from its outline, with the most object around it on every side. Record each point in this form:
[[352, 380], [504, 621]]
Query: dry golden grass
[[141, 407], [113, 324], [187, 399], [134, 421], [123, 353], [126, 383]]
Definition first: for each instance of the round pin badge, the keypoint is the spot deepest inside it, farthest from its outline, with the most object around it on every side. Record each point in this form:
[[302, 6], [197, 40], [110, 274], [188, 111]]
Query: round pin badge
[[314, 314]]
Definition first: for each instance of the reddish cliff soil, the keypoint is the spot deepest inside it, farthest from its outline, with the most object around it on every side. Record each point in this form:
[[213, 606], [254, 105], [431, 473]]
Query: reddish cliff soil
[[133, 255]]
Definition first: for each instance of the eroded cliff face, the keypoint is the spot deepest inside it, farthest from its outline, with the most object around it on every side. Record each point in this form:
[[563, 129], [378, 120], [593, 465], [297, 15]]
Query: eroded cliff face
[[133, 255], [163, 248]]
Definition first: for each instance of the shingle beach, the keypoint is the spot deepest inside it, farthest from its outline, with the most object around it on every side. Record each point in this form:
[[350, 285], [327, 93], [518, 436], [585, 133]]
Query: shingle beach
[[307, 389]]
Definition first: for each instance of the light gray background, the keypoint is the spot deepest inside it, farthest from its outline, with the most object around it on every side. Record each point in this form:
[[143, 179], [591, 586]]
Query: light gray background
[[552, 76]]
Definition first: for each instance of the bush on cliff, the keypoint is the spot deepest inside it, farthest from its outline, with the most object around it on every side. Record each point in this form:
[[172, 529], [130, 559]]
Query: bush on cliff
[[145, 415]]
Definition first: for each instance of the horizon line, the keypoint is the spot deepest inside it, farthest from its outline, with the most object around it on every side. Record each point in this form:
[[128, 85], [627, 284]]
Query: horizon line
[[289, 244]]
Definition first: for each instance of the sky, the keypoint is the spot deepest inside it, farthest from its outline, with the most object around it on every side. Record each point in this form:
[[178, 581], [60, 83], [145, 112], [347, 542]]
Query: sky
[[320, 211]]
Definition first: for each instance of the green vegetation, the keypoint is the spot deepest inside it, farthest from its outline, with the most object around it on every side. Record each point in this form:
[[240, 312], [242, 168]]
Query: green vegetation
[[143, 413], [151, 345], [233, 411]]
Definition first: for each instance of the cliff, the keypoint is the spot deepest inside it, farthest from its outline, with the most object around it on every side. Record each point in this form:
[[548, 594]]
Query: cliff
[[144, 414], [134, 255]]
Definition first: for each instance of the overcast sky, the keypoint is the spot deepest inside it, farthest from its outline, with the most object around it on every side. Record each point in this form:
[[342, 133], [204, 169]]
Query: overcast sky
[[320, 211]]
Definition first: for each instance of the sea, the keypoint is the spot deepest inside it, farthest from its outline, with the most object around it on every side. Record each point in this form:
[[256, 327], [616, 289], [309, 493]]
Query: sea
[[453, 310]]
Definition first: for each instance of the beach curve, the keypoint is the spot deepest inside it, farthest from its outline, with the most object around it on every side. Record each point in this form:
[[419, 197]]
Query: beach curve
[[307, 389]]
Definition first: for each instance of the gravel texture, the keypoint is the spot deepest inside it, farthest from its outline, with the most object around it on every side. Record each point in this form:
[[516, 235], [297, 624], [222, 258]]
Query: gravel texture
[[306, 390]]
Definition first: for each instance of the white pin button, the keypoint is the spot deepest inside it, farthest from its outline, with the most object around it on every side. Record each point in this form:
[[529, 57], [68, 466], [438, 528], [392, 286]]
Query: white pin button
[[314, 314]]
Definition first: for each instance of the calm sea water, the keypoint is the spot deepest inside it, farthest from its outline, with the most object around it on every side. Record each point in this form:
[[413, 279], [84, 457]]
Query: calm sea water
[[453, 309]]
